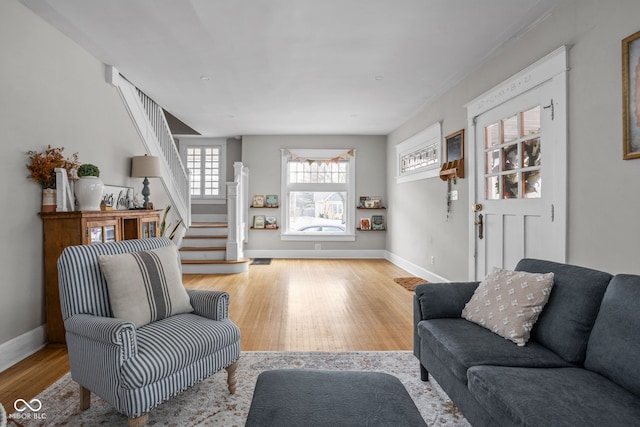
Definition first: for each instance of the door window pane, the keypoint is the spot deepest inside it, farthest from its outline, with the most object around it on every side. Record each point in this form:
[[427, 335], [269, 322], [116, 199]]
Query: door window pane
[[513, 162]]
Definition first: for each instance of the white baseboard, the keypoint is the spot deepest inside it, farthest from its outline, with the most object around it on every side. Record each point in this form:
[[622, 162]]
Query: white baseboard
[[415, 269], [20, 347], [259, 253]]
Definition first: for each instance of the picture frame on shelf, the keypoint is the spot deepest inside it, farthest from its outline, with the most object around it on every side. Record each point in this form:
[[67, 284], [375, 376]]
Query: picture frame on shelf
[[258, 221], [270, 222], [258, 201], [377, 222], [363, 201], [115, 197], [631, 96], [271, 201], [365, 223]]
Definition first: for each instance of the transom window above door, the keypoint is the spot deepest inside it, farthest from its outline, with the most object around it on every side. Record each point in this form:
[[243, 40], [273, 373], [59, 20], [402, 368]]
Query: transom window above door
[[513, 161]]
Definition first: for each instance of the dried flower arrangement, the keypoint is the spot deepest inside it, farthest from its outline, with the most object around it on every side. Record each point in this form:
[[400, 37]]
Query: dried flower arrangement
[[42, 165]]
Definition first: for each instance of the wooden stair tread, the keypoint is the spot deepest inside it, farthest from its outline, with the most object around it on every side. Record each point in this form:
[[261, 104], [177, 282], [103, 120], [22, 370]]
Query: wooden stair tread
[[204, 248], [214, 261], [200, 236], [208, 225]]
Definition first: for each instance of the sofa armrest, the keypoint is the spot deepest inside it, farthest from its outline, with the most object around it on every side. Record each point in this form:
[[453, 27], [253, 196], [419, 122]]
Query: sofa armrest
[[210, 304], [117, 333], [437, 300]]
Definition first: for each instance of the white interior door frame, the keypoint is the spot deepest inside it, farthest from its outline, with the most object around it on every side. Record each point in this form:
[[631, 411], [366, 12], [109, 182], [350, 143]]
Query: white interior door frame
[[552, 68]]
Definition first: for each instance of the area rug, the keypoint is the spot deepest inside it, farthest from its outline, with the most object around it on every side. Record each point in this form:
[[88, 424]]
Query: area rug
[[210, 404], [409, 283]]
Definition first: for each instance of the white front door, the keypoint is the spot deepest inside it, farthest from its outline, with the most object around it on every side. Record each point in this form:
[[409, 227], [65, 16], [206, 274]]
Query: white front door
[[519, 180]]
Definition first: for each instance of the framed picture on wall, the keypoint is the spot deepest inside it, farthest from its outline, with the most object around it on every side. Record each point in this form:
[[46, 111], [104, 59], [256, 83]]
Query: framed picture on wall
[[454, 146], [631, 96]]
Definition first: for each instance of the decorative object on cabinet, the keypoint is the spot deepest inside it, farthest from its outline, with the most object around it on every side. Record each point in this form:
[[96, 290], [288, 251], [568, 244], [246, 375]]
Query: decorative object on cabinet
[[270, 222], [631, 96], [258, 221], [377, 222], [453, 168], [365, 223], [117, 197], [42, 170], [62, 229], [258, 201], [166, 227], [145, 167], [271, 201], [89, 187]]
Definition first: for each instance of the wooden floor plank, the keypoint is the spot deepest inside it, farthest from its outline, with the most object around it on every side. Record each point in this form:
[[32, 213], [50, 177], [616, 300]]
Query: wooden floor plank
[[289, 305]]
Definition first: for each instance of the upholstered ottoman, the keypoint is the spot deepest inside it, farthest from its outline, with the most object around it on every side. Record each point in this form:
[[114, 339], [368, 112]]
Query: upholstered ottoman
[[301, 397]]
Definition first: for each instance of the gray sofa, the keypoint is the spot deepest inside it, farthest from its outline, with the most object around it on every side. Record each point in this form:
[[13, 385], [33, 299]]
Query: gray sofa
[[581, 366]]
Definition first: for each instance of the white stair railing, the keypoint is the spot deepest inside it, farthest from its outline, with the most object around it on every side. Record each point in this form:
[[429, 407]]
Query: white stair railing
[[237, 212], [153, 129]]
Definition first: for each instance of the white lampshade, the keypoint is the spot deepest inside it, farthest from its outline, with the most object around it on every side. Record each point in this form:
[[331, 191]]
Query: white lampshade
[[145, 167]]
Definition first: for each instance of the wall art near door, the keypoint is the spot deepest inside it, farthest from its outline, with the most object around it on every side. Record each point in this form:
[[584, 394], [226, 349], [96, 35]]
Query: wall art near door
[[631, 96]]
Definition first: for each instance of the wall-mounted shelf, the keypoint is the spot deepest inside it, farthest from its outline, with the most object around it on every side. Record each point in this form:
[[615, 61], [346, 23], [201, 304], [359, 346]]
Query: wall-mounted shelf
[[452, 170], [263, 207], [265, 228], [371, 229], [370, 209]]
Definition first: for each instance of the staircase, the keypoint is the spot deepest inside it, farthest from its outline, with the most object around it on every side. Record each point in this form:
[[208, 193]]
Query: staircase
[[204, 250]]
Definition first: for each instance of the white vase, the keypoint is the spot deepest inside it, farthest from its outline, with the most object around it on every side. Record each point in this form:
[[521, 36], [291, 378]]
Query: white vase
[[89, 193]]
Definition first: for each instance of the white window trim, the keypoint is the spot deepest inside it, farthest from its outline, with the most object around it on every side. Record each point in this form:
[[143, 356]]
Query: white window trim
[[421, 140], [199, 141], [318, 154]]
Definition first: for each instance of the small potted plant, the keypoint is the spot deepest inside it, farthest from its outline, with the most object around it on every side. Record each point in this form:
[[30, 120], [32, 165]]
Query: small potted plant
[[89, 188]]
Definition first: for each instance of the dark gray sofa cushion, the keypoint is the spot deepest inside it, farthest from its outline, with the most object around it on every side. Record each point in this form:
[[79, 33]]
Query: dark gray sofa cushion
[[552, 397], [461, 344], [614, 345], [566, 321]]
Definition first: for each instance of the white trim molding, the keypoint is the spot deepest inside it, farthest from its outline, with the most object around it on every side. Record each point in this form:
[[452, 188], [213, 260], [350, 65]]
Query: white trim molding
[[20, 347], [414, 269]]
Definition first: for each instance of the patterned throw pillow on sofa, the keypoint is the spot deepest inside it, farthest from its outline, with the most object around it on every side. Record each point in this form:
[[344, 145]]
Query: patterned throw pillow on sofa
[[508, 303], [145, 286]]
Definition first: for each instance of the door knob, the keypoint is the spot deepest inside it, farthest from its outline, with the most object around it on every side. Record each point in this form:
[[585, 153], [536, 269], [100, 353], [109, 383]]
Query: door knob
[[476, 207]]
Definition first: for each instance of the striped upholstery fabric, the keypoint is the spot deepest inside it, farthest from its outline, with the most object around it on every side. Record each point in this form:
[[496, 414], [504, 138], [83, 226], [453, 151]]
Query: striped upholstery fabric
[[137, 369]]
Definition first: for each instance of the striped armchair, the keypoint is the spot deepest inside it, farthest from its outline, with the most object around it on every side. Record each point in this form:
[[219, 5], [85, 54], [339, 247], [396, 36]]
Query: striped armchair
[[136, 369]]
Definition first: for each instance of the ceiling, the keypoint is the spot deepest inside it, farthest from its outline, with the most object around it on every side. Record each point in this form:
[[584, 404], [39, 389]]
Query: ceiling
[[265, 67]]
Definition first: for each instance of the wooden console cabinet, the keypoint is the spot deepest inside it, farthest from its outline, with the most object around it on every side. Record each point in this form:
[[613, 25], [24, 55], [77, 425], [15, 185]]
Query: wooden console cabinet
[[62, 229]]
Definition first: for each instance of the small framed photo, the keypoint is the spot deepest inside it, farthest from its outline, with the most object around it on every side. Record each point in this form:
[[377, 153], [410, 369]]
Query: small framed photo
[[363, 201], [365, 223], [271, 201], [258, 201], [377, 222], [454, 146], [369, 204], [270, 222], [631, 97], [258, 221]]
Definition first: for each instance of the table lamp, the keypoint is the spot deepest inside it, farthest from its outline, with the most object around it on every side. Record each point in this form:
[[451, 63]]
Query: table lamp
[[145, 167]]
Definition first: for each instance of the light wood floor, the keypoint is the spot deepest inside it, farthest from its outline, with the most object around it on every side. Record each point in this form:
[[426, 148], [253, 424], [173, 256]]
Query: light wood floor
[[290, 305]]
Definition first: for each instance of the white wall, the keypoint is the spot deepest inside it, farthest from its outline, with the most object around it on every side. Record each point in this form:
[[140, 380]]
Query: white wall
[[51, 92], [604, 199], [262, 155]]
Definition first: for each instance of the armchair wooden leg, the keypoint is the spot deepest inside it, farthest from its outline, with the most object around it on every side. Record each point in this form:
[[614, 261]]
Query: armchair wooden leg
[[140, 421], [85, 398], [231, 377]]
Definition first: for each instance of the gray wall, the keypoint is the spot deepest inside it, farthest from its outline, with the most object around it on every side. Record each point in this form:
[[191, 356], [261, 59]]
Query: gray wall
[[604, 200], [262, 155], [51, 92]]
